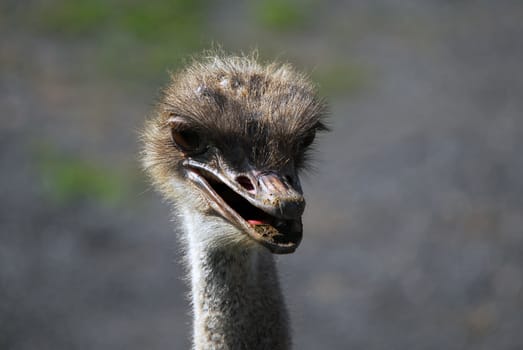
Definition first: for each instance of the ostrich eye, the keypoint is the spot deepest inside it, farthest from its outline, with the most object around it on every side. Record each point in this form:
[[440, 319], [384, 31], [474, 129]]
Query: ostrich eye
[[184, 138], [308, 139]]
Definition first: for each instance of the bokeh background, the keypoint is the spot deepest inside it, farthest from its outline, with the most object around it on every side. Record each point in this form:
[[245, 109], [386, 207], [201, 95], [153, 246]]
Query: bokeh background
[[414, 225]]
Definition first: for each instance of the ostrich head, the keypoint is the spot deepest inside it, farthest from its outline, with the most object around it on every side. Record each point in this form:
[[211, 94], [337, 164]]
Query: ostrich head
[[226, 144]]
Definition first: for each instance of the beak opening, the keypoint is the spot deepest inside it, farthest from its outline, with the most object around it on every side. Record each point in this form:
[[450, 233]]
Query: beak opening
[[265, 205]]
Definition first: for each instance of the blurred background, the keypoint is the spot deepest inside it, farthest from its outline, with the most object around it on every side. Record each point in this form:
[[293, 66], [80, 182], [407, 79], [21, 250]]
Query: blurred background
[[414, 225]]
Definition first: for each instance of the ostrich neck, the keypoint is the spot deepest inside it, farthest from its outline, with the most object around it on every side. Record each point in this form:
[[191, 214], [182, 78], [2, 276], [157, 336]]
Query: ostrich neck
[[236, 297]]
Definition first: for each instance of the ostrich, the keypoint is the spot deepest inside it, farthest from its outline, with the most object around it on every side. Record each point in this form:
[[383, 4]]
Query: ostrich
[[225, 145]]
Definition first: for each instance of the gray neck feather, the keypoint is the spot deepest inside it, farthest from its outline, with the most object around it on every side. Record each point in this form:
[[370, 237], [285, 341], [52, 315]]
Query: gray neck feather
[[237, 302]]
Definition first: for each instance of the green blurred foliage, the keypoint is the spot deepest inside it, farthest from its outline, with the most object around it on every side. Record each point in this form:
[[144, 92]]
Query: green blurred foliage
[[133, 39], [345, 78], [73, 17], [146, 20], [284, 15], [65, 179]]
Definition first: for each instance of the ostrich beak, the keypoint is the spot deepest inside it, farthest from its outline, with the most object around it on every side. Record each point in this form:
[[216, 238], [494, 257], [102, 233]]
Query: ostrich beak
[[265, 205]]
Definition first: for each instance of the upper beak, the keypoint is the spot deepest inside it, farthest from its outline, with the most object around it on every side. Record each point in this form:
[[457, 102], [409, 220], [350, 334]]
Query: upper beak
[[272, 192]]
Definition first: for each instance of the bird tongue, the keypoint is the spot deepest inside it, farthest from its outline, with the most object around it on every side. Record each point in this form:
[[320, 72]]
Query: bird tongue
[[257, 222]]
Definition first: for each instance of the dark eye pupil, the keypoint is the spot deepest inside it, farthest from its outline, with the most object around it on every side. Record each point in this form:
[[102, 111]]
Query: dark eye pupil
[[186, 140], [307, 141]]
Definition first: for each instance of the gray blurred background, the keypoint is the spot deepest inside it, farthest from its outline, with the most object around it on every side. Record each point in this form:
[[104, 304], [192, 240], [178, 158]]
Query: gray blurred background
[[414, 226]]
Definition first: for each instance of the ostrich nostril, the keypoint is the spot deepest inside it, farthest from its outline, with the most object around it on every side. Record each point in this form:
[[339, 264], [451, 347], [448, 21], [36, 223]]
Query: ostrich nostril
[[245, 182]]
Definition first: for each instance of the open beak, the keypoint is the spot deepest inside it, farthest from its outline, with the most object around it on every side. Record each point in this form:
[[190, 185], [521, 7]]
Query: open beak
[[267, 206]]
